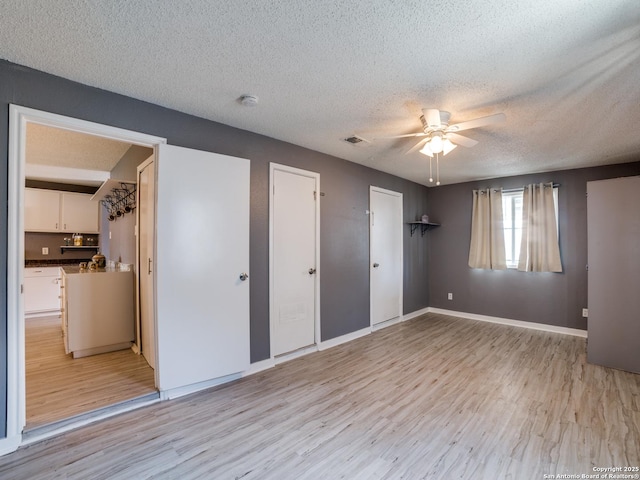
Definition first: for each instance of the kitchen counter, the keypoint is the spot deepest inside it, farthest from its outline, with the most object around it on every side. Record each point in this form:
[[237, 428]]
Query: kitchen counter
[[98, 312]]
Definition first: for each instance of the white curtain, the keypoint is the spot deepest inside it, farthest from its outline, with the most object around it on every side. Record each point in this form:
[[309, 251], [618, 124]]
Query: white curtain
[[539, 250], [487, 232]]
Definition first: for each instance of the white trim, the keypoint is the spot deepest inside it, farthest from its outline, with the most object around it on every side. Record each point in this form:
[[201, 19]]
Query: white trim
[[514, 323], [334, 342], [372, 189], [19, 117], [387, 323], [178, 392], [417, 313], [109, 412], [259, 367], [301, 352], [272, 314]]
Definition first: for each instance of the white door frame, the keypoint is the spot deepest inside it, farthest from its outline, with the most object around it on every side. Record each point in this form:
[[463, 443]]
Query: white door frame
[[272, 314], [400, 233], [19, 117]]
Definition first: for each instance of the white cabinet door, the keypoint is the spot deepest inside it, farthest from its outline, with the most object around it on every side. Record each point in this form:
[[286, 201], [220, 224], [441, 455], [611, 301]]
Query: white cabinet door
[[202, 250], [79, 213], [54, 211], [41, 290], [41, 210]]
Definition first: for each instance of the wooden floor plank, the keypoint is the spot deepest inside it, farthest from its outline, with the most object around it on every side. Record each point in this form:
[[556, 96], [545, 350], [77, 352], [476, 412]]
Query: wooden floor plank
[[435, 397], [59, 386]]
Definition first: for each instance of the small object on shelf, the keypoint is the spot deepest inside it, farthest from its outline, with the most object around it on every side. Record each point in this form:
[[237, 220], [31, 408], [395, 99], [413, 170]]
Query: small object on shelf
[[425, 218]]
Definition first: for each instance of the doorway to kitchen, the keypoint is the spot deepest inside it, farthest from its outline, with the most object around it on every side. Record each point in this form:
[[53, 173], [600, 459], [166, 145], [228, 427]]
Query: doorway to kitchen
[[48, 385]]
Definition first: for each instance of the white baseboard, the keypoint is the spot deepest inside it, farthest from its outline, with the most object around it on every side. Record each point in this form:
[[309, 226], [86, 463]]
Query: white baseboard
[[301, 352], [197, 387], [514, 323], [334, 342], [259, 367], [10, 444], [417, 313]]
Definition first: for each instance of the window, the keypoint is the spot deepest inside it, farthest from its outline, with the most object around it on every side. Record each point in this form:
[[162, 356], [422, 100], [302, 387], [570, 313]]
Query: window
[[512, 221]]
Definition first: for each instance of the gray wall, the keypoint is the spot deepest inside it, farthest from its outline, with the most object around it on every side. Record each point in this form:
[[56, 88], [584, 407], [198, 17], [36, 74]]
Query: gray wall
[[344, 226], [121, 246], [550, 298]]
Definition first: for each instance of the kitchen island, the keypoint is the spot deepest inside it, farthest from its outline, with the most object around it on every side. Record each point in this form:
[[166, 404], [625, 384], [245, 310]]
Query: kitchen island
[[98, 310]]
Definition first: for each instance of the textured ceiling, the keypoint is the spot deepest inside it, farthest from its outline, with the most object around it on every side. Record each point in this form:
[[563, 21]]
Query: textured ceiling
[[566, 73], [63, 148]]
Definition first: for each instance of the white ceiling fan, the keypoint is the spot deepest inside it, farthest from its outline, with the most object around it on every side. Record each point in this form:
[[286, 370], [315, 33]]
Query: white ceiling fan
[[440, 137]]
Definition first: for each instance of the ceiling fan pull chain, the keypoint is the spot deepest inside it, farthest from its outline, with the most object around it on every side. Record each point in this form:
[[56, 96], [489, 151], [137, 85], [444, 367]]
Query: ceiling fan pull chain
[[430, 171], [437, 169]]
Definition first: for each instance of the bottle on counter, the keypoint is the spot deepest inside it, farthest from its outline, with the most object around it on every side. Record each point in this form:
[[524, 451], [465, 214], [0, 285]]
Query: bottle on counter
[[77, 239]]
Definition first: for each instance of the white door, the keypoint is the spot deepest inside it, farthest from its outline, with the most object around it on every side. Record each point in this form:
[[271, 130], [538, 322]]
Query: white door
[[293, 258], [146, 255], [202, 266], [613, 253], [385, 254]]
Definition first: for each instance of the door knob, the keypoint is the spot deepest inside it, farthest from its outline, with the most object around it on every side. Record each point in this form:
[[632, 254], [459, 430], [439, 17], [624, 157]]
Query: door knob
[[376, 265], [244, 276], [312, 271]]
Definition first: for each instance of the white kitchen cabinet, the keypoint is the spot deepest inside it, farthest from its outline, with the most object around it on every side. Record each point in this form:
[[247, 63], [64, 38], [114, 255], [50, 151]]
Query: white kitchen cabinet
[[79, 213], [41, 291], [41, 210], [98, 312], [55, 211]]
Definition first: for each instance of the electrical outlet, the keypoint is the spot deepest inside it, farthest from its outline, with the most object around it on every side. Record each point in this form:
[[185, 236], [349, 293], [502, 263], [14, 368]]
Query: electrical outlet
[[585, 312], [45, 250], [449, 296]]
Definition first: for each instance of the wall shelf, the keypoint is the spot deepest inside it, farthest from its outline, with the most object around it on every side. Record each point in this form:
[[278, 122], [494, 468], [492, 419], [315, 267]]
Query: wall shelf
[[424, 226], [78, 247]]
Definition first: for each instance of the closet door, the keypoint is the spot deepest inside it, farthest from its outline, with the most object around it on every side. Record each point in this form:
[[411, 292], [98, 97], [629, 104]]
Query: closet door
[[202, 266], [614, 273]]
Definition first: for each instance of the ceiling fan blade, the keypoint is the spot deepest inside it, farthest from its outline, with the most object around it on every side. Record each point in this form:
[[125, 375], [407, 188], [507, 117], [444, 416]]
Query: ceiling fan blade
[[478, 122], [417, 146], [460, 140], [418, 134], [431, 116]]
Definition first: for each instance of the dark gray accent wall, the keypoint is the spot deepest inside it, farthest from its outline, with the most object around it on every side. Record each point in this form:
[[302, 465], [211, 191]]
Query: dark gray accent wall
[[549, 298], [344, 246], [118, 239]]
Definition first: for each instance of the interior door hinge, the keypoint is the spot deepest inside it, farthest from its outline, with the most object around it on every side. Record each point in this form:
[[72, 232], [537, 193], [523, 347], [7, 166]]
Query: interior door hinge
[[314, 195], [21, 288]]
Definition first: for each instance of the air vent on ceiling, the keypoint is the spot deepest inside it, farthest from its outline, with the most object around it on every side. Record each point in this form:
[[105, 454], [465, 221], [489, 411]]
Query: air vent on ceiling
[[356, 140]]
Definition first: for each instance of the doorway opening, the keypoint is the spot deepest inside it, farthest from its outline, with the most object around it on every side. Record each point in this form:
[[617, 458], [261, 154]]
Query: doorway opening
[[47, 384]]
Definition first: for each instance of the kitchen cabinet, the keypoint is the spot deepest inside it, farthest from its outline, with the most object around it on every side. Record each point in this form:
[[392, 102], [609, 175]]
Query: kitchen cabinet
[[98, 312], [41, 291], [56, 211]]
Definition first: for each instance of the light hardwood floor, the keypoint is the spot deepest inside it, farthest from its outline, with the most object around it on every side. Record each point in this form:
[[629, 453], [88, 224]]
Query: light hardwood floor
[[435, 397], [58, 386]]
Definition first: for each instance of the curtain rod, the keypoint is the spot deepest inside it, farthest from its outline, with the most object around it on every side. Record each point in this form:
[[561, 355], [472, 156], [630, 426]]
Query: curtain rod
[[509, 190]]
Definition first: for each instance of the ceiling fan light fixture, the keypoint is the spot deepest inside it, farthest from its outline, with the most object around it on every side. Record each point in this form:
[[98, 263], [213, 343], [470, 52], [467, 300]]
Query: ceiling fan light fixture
[[447, 146], [435, 144], [426, 150]]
